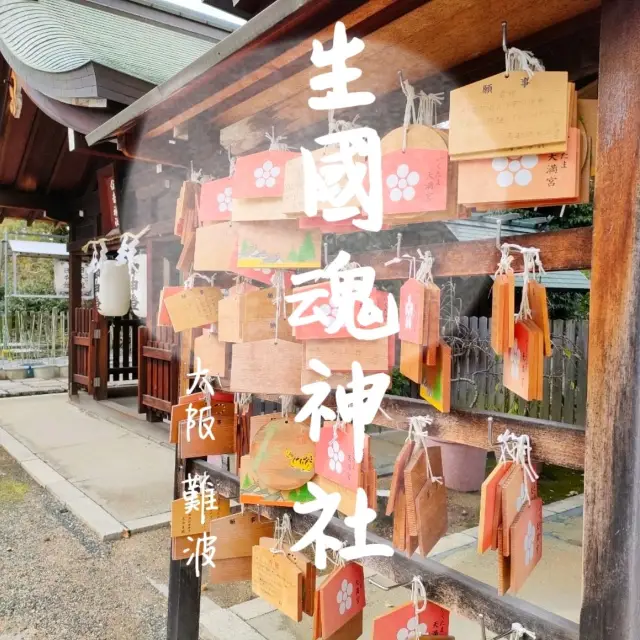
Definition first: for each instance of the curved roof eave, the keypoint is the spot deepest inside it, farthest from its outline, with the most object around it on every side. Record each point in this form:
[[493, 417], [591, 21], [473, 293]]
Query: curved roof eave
[[81, 119]]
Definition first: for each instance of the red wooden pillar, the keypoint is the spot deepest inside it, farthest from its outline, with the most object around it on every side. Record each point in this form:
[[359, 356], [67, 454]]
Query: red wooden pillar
[[611, 568], [75, 301]]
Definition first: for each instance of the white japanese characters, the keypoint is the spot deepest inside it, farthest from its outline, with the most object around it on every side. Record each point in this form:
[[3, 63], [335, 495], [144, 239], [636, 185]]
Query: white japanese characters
[[204, 422], [328, 504], [199, 496], [204, 552], [354, 157], [358, 403], [349, 287], [336, 80]]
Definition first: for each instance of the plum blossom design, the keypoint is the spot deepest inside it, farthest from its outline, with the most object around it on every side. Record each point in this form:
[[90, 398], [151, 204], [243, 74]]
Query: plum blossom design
[[414, 629], [329, 310], [516, 170], [336, 456], [529, 544], [225, 201], [266, 175], [344, 597], [409, 308], [402, 183]]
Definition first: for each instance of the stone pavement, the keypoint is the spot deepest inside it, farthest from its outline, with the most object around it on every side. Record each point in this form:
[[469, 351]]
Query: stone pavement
[[117, 477], [32, 387]]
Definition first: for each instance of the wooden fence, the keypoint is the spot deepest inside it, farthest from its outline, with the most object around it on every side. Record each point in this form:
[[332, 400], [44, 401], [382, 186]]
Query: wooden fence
[[123, 348], [477, 372]]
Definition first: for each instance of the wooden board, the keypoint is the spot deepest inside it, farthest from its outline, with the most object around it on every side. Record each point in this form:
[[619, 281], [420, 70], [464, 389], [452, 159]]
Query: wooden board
[[193, 308], [308, 573], [526, 544], [489, 506], [339, 355], [223, 442], [397, 480], [342, 596], [190, 524], [390, 625], [278, 581], [238, 534], [282, 454], [212, 353], [230, 570], [266, 367], [179, 414], [431, 507]]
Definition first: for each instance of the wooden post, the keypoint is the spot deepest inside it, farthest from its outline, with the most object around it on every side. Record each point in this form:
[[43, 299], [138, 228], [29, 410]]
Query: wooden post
[[75, 301], [611, 601], [184, 586], [102, 356]]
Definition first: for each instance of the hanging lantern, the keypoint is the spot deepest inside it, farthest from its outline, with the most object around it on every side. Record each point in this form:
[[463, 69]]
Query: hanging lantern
[[114, 289], [139, 285]]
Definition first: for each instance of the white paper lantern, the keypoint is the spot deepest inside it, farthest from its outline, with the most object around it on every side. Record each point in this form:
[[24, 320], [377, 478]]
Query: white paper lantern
[[139, 285], [114, 289]]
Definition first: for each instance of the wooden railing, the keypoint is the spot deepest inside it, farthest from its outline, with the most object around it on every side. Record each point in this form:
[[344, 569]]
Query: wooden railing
[[158, 371], [82, 361], [123, 348]]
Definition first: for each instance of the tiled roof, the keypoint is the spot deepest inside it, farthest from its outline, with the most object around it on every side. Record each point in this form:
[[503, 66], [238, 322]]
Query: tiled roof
[[57, 36]]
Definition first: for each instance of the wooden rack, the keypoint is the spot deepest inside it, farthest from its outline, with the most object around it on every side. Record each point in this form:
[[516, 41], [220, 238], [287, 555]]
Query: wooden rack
[[260, 75]]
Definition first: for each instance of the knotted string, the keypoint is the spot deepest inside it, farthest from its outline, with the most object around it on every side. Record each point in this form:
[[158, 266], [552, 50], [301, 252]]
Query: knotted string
[[419, 600], [424, 273], [275, 142], [242, 402], [282, 534], [518, 449], [278, 282], [409, 110], [518, 632], [337, 560], [504, 265], [428, 104], [287, 405], [232, 163], [518, 60], [418, 428], [336, 126], [190, 281]]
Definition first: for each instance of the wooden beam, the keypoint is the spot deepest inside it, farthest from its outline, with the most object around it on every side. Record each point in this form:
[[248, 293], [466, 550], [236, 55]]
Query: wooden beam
[[611, 549], [552, 442], [292, 60], [76, 143], [449, 588], [559, 251], [15, 199], [160, 152], [425, 52]]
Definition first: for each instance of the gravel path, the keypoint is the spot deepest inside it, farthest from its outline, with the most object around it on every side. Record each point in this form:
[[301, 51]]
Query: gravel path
[[58, 581]]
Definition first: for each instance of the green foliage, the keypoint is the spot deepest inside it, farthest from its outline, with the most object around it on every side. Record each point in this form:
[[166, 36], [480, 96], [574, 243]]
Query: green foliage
[[400, 385]]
